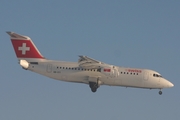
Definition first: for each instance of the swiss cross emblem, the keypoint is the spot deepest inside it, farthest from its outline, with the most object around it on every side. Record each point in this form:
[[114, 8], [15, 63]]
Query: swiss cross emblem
[[24, 48]]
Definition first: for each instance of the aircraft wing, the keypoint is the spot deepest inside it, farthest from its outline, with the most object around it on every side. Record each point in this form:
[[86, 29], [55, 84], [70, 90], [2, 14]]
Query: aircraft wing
[[86, 62]]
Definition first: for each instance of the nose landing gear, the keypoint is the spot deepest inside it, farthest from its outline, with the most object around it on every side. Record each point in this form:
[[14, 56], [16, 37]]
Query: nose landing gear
[[160, 92]]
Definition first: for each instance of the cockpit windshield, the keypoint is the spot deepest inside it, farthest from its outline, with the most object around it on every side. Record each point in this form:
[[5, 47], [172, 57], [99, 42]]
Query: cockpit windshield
[[156, 75]]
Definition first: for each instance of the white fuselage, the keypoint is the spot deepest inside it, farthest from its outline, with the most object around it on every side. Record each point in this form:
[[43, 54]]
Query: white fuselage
[[87, 70], [118, 76]]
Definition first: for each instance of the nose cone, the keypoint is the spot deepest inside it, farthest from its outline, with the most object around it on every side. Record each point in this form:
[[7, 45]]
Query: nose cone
[[166, 83], [170, 84]]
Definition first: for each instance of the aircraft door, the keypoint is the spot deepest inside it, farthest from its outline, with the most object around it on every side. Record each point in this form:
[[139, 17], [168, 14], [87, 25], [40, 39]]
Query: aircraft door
[[49, 68], [110, 71], [116, 71], [146, 76]]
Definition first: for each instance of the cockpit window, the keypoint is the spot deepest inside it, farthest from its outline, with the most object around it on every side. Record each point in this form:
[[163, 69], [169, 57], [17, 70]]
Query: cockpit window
[[156, 75]]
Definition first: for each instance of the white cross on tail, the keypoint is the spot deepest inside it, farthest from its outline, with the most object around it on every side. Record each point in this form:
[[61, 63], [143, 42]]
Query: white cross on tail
[[24, 48]]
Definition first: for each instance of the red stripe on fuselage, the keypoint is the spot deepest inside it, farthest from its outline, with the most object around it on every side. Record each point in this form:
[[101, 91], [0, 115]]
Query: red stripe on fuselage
[[107, 70]]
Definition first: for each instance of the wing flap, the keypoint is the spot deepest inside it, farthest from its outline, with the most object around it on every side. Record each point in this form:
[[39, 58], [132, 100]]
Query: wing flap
[[86, 62]]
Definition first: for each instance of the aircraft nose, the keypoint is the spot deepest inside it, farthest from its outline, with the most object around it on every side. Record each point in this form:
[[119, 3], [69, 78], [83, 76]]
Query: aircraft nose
[[171, 85], [168, 83]]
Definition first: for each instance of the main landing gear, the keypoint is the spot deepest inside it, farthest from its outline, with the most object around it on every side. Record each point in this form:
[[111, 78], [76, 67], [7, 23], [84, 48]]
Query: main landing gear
[[160, 92], [94, 86]]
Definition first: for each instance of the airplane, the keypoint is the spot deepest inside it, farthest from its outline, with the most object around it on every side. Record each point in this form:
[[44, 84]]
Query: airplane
[[87, 70]]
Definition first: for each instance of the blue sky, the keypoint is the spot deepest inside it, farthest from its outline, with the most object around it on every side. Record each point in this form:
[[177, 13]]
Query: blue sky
[[141, 33]]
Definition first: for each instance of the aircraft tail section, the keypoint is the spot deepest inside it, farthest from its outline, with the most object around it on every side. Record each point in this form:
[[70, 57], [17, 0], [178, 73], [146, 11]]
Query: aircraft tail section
[[24, 47]]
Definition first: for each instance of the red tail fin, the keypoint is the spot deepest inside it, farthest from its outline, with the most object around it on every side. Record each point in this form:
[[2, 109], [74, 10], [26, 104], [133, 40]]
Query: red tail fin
[[24, 47]]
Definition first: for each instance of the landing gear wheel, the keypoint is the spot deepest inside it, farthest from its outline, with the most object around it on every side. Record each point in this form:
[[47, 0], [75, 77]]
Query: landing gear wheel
[[93, 86], [93, 89], [160, 92]]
